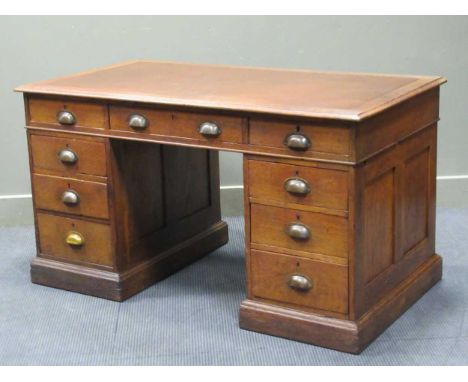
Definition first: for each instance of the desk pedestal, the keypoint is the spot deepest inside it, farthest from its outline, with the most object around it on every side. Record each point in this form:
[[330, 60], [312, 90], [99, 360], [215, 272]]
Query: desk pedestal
[[161, 213]]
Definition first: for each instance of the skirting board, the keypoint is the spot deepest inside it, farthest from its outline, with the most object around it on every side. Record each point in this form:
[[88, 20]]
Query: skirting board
[[16, 211], [451, 193]]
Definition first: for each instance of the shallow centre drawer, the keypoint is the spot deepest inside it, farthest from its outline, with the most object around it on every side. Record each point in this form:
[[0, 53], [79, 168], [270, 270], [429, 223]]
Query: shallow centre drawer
[[72, 196], [67, 155], [54, 231], [275, 227], [287, 183], [218, 128], [299, 281]]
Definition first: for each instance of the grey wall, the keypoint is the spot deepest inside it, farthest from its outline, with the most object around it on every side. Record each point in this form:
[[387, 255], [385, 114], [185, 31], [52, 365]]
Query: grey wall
[[36, 48]]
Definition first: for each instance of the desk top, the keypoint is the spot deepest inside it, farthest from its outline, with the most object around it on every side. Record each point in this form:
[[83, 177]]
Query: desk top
[[302, 93]]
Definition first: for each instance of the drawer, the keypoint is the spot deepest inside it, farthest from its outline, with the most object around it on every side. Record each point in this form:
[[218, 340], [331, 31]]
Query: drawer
[[177, 124], [72, 196], [54, 231], [67, 114], [309, 140], [326, 234], [299, 281], [90, 155], [286, 183]]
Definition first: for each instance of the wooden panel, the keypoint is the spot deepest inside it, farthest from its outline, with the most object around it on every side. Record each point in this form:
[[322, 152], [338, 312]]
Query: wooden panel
[[162, 195], [396, 124], [378, 225], [92, 196], [270, 273], [178, 124], [325, 138], [186, 181], [328, 187], [415, 187], [350, 96], [397, 219], [53, 231], [138, 189], [328, 233], [87, 114], [91, 155]]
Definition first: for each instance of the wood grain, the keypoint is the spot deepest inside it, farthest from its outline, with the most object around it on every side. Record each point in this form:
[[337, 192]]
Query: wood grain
[[379, 225], [328, 233], [88, 114], [93, 200], [397, 202], [329, 187], [162, 195], [270, 274], [395, 124], [177, 124], [91, 155], [326, 138], [53, 230]]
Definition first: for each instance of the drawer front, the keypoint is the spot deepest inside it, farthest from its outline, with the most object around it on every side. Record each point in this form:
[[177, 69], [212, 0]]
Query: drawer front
[[299, 281], [286, 183], [90, 155], [54, 231], [67, 114], [71, 196], [271, 226], [321, 140], [177, 124]]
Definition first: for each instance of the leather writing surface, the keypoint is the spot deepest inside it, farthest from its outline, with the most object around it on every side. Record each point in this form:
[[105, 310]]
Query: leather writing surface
[[348, 96]]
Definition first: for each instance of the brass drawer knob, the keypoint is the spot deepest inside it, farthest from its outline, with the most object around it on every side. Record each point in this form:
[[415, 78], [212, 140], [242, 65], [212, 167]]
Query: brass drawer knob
[[209, 129], [297, 141], [297, 186], [66, 118], [299, 282], [297, 231], [70, 197], [67, 156], [75, 239], [138, 122]]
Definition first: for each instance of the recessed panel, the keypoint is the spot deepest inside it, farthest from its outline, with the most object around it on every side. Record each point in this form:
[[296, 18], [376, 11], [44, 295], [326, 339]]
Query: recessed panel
[[415, 199], [379, 224]]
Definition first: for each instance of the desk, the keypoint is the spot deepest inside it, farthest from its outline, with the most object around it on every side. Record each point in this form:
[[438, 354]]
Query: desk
[[339, 185]]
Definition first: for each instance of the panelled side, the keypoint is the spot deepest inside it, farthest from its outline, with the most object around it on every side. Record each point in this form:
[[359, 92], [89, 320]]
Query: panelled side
[[397, 216]]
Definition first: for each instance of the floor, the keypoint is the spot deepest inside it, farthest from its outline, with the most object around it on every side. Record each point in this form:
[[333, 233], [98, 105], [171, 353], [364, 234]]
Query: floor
[[191, 317]]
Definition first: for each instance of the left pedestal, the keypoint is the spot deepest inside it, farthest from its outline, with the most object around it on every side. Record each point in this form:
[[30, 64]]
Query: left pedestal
[[113, 217]]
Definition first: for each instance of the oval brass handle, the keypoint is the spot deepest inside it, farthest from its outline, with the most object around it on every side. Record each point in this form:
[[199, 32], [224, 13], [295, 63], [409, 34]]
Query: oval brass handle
[[67, 156], [209, 129], [138, 122], [299, 282], [297, 231], [297, 141], [66, 118], [70, 197], [75, 239], [297, 186]]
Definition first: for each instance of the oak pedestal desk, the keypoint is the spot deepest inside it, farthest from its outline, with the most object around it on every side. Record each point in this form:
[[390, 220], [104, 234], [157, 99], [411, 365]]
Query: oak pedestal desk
[[339, 175]]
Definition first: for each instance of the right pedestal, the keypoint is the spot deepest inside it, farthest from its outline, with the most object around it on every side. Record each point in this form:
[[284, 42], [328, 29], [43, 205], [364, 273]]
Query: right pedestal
[[335, 252]]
